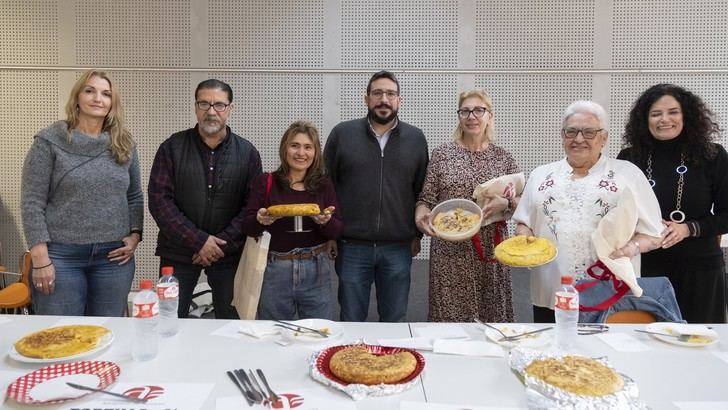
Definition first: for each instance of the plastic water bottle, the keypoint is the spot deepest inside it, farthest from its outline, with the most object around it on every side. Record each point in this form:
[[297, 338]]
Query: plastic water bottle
[[168, 293], [566, 308], [146, 316]]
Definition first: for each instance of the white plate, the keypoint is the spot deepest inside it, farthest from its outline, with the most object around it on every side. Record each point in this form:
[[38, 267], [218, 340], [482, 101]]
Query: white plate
[[103, 344], [335, 331], [534, 340], [682, 328]]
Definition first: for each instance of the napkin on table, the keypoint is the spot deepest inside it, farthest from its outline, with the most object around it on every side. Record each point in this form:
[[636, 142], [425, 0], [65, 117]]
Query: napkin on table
[[417, 343], [467, 348], [258, 329]]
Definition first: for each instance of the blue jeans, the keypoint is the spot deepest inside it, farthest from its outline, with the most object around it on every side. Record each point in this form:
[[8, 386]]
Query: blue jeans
[[297, 286], [385, 264], [658, 298], [87, 282], [220, 277]]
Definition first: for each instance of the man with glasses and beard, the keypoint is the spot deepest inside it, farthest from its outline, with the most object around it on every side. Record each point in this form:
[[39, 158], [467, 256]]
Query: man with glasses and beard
[[198, 191], [378, 165]]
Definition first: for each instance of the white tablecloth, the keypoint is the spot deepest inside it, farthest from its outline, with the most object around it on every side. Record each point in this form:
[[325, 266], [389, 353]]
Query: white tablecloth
[[665, 373]]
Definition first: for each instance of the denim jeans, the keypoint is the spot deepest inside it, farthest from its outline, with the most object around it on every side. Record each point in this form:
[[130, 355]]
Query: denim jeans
[[297, 286], [220, 277], [658, 298], [87, 282], [387, 265]]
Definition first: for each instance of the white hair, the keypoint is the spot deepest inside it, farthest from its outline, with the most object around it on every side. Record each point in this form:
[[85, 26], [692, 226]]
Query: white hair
[[586, 107]]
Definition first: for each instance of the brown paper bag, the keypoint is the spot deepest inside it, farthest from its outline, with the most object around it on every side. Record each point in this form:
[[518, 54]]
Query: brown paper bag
[[249, 276]]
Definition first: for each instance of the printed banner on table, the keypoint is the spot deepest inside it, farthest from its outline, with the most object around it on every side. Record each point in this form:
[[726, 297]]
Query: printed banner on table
[[292, 399], [160, 396]]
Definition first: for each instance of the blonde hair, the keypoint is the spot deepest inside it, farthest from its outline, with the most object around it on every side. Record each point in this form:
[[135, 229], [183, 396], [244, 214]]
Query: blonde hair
[[122, 143], [489, 132]]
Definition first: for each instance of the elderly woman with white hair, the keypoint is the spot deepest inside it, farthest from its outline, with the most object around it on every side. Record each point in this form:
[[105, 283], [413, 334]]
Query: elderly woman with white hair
[[564, 201]]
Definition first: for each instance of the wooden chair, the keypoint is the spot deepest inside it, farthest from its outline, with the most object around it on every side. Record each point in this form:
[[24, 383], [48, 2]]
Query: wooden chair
[[16, 297], [631, 316]]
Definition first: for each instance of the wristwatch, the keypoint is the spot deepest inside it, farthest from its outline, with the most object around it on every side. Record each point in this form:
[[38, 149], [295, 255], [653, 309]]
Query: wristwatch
[[137, 231]]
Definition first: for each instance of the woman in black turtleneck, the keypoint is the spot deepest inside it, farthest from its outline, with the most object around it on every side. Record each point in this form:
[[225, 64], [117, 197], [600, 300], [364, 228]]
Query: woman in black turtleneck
[[669, 136]]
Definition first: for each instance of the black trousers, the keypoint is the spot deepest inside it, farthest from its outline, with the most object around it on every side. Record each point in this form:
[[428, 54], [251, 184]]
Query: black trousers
[[701, 293], [220, 277], [543, 315]]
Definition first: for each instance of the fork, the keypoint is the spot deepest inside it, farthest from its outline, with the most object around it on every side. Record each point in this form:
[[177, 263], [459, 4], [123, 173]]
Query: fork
[[240, 386], [505, 336], [520, 335], [253, 394], [271, 395], [680, 337]]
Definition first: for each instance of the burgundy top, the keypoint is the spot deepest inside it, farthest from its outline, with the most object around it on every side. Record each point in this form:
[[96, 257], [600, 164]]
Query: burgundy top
[[282, 240]]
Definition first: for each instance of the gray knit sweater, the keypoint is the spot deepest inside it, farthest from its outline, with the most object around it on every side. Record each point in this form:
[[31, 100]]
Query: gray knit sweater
[[75, 192]]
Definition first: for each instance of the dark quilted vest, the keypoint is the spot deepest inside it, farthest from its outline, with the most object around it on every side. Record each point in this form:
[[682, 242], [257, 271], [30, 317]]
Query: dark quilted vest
[[209, 209]]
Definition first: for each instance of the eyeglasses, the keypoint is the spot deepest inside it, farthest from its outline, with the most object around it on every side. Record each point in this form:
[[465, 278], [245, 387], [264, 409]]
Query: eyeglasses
[[588, 133], [205, 105], [381, 93], [477, 112]]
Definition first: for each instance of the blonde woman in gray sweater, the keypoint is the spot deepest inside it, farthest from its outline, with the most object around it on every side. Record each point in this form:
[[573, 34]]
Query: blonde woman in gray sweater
[[82, 205]]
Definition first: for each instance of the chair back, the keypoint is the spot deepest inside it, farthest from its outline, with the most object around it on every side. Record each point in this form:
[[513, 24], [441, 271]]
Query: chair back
[[24, 266], [631, 316]]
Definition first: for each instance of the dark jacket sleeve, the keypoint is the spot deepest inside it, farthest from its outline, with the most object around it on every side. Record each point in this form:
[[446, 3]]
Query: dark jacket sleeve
[[330, 154], [171, 221], [717, 223]]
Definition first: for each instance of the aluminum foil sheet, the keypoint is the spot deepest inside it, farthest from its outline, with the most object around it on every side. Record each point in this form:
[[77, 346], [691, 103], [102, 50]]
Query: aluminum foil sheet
[[540, 395], [320, 372]]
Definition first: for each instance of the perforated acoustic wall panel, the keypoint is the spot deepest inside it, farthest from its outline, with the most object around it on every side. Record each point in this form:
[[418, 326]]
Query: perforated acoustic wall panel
[[407, 33], [138, 33], [240, 33], [29, 32], [534, 34], [528, 113], [674, 34], [267, 103], [29, 103]]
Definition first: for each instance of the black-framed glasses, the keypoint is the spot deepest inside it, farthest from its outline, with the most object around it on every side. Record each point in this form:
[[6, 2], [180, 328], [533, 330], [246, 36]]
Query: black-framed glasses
[[205, 105], [587, 133], [381, 93], [478, 112]]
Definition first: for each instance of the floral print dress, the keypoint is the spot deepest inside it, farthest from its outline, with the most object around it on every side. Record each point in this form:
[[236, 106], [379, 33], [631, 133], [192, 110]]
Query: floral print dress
[[463, 287]]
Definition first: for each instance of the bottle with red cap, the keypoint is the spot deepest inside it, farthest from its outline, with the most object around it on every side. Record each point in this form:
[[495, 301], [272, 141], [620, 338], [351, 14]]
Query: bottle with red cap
[[566, 310], [146, 315], [168, 293]]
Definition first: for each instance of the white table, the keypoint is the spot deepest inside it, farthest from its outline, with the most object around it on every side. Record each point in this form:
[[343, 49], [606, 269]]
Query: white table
[[664, 374]]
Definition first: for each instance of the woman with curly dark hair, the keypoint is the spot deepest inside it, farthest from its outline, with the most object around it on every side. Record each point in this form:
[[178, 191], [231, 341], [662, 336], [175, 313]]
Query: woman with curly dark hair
[[669, 135]]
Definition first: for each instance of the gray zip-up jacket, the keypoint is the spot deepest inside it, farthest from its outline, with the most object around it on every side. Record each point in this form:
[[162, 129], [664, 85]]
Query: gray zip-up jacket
[[377, 190], [75, 192]]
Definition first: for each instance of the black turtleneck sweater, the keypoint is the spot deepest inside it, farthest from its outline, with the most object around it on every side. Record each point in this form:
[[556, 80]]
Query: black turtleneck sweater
[[705, 187]]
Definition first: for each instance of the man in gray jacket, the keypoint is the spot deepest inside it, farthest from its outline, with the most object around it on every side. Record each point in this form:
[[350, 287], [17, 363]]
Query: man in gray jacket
[[378, 165]]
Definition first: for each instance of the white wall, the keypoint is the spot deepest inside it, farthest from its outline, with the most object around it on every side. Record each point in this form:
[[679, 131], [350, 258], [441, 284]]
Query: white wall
[[311, 59]]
